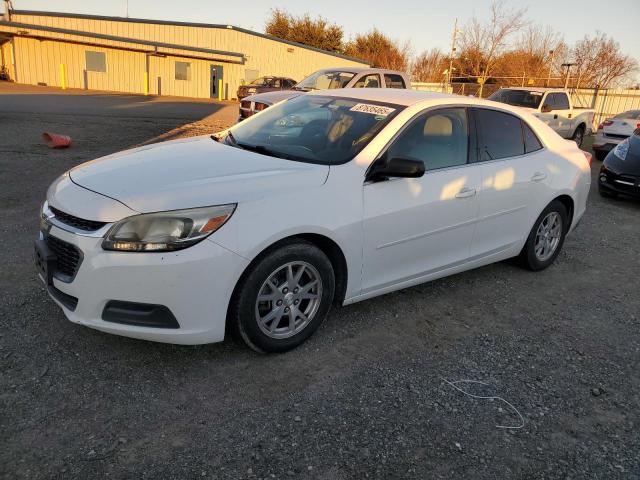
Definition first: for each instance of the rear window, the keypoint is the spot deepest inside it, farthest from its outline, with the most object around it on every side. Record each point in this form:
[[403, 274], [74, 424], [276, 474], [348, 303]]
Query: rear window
[[632, 114], [394, 81], [500, 135]]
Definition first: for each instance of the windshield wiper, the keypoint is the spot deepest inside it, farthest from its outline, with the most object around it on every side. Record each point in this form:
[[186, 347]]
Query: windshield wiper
[[267, 151]]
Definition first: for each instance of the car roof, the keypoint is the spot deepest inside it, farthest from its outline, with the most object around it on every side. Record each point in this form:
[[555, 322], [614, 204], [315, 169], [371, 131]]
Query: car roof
[[360, 70], [534, 89], [399, 96]]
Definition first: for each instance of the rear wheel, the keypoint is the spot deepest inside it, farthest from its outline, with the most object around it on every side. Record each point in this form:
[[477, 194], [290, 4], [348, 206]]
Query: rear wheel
[[546, 237], [578, 135], [283, 298]]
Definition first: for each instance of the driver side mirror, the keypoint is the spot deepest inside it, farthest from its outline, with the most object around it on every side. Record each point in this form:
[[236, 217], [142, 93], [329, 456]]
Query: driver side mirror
[[396, 167], [546, 108]]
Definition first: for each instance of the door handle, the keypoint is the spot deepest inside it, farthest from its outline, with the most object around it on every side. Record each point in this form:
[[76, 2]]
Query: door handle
[[466, 193], [538, 176]]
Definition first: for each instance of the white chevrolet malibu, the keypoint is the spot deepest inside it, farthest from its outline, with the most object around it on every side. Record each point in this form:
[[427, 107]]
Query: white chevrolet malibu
[[331, 197]]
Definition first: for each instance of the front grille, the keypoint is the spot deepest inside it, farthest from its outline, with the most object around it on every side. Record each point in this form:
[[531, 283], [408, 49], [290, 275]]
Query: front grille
[[68, 258], [76, 222]]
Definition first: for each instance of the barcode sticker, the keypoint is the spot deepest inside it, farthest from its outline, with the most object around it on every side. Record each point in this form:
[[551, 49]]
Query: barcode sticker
[[372, 109]]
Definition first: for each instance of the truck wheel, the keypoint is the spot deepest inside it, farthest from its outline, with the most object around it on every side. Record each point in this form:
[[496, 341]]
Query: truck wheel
[[578, 135]]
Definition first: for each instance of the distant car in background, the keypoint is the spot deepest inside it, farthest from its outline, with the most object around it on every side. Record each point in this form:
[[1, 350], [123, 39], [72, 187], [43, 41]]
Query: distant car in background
[[327, 79], [620, 171], [265, 84], [614, 130], [553, 106]]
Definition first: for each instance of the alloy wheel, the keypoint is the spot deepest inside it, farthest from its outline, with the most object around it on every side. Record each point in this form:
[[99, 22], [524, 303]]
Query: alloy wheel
[[548, 236], [288, 299]]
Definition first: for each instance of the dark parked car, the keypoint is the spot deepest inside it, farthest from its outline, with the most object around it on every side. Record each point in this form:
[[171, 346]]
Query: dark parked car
[[620, 171], [265, 84]]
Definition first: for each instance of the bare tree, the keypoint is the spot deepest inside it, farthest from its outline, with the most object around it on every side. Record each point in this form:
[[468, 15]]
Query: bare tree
[[429, 66], [482, 43], [599, 61]]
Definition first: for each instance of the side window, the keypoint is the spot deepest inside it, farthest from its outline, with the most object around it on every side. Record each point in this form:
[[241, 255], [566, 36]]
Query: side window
[[394, 81], [183, 71], [368, 81], [439, 138], [531, 142], [550, 101], [95, 61], [562, 101], [500, 134]]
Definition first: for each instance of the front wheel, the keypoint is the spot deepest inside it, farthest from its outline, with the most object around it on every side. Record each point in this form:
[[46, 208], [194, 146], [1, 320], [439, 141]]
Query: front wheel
[[546, 237], [283, 298]]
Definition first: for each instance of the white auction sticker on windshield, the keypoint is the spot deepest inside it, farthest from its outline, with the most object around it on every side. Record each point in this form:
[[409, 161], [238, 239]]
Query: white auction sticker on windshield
[[372, 109]]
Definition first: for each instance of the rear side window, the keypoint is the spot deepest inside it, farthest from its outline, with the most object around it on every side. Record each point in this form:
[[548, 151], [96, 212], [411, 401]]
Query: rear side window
[[394, 81], [531, 142], [500, 135]]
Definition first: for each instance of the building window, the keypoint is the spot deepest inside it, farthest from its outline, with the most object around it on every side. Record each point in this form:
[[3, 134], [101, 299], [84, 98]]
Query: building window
[[96, 61], [183, 71]]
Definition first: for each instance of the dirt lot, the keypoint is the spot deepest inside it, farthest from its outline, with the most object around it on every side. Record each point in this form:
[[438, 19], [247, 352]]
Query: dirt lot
[[364, 398]]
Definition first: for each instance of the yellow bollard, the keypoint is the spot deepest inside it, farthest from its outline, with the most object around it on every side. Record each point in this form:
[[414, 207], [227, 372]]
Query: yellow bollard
[[146, 83], [220, 89], [63, 77]]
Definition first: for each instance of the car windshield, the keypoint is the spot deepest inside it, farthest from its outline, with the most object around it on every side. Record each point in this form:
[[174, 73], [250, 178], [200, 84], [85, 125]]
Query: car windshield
[[261, 81], [518, 98], [313, 128], [325, 80], [631, 114]]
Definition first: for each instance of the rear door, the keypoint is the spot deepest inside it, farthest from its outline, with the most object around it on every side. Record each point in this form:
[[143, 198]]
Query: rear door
[[515, 178]]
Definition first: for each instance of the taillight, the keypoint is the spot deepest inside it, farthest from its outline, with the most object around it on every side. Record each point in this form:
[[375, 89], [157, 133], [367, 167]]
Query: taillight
[[600, 127], [588, 156], [606, 123]]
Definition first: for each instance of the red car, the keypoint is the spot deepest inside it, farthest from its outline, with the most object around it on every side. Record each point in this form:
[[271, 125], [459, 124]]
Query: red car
[[265, 84]]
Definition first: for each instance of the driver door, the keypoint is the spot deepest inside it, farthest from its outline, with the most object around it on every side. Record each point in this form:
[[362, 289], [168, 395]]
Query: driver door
[[418, 226]]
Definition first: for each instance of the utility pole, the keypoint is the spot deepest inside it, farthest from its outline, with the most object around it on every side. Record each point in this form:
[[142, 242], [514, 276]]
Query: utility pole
[[127, 8], [7, 10], [551, 52], [453, 51]]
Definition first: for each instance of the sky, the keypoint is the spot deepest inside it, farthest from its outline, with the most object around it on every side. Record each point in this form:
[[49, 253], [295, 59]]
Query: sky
[[425, 23]]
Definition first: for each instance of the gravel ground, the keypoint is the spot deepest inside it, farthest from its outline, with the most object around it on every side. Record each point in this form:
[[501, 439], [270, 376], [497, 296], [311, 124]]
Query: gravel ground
[[366, 397]]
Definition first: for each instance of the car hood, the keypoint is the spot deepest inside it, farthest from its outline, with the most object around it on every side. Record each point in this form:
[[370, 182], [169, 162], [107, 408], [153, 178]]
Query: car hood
[[631, 164], [191, 173], [273, 97]]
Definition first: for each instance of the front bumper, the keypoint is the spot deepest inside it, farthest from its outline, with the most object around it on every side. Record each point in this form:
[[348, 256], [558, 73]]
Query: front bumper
[[612, 182], [194, 284]]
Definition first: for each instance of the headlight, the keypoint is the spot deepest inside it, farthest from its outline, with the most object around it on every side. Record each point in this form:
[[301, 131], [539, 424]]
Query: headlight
[[166, 231], [621, 149]]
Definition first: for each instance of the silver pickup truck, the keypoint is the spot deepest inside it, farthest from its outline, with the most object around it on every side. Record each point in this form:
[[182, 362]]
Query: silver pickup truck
[[553, 106], [327, 79]]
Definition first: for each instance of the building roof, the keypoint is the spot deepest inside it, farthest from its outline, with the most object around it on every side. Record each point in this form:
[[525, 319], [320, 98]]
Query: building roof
[[184, 24]]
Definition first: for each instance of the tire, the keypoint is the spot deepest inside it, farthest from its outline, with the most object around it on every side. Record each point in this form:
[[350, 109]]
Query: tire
[[529, 256], [600, 154], [578, 135], [604, 193], [266, 325]]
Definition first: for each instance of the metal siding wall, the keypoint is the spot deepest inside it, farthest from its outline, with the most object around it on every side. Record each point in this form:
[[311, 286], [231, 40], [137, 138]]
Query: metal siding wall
[[125, 70]]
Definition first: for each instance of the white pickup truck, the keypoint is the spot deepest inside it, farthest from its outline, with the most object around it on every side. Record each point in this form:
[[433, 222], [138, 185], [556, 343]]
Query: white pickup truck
[[553, 106]]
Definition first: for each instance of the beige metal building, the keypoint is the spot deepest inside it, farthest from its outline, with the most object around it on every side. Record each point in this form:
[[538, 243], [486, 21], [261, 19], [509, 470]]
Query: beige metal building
[[148, 56]]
